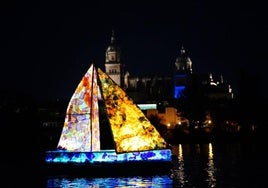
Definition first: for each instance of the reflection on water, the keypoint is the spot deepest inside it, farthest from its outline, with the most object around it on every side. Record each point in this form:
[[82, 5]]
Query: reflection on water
[[155, 181], [178, 168], [196, 155], [194, 165], [210, 167]]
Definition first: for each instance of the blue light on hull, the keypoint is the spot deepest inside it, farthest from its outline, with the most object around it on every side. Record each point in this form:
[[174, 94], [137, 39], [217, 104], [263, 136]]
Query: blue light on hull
[[107, 156]]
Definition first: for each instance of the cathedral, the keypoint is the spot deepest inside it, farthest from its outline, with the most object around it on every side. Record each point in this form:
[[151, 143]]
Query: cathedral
[[155, 88]]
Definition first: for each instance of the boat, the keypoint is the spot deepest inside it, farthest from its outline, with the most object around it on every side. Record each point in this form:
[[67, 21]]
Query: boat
[[104, 129]]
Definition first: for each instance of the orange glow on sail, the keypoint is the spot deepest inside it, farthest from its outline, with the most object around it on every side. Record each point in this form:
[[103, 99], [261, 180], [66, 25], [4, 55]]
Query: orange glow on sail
[[132, 131]]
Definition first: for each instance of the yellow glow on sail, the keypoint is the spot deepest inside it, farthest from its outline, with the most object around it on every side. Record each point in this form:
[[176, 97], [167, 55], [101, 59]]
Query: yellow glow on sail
[[131, 129]]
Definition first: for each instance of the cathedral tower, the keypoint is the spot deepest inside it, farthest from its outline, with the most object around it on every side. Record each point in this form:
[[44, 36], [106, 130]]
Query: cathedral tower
[[113, 62]]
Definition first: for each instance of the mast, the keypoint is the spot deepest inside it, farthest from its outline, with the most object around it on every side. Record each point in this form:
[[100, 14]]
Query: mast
[[91, 103], [94, 110]]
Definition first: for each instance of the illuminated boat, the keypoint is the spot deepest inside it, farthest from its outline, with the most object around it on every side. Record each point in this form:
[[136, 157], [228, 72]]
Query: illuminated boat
[[134, 139]]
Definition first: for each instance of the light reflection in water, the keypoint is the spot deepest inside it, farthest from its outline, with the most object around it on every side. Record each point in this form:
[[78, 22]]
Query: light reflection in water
[[154, 181], [192, 156], [210, 167], [178, 170]]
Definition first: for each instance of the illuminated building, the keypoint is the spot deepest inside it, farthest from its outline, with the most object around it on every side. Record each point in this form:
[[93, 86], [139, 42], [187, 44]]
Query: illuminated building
[[113, 62], [154, 88]]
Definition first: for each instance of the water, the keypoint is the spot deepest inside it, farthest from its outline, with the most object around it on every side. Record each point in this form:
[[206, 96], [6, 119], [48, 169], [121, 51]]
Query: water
[[194, 165], [155, 181]]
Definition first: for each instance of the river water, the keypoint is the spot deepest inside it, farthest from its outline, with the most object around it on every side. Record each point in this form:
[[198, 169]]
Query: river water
[[235, 164]]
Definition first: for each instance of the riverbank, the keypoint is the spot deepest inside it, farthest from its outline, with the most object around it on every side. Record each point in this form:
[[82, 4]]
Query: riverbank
[[214, 136]]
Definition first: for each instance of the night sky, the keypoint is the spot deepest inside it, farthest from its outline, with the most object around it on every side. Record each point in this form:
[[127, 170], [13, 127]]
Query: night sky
[[47, 47]]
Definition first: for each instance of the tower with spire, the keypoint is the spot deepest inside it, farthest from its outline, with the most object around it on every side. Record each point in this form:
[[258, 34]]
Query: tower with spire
[[183, 63], [113, 62]]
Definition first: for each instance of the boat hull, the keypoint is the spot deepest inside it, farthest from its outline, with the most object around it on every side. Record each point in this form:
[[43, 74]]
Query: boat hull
[[108, 163]]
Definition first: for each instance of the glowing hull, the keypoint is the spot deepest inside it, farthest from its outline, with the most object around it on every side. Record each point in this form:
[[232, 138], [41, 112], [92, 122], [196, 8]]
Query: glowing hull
[[108, 163], [107, 156]]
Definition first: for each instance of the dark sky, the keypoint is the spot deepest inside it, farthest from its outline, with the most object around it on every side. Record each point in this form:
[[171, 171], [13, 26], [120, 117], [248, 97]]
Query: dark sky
[[48, 46]]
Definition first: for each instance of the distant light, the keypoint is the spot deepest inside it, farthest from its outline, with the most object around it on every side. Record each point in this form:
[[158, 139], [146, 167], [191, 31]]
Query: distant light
[[147, 106], [178, 91]]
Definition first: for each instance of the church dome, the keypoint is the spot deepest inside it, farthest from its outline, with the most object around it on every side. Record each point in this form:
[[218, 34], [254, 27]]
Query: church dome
[[183, 62]]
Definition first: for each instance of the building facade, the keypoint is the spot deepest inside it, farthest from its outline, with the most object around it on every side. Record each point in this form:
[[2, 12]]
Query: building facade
[[155, 88]]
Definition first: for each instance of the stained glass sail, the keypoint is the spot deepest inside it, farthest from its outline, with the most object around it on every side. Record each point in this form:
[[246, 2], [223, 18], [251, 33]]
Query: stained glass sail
[[81, 126], [131, 129]]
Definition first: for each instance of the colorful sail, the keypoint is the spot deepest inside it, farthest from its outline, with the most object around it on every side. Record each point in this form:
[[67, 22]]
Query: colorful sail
[[81, 126], [131, 129]]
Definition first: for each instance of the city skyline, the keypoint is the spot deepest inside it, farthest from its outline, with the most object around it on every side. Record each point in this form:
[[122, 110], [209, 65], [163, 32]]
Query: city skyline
[[47, 47]]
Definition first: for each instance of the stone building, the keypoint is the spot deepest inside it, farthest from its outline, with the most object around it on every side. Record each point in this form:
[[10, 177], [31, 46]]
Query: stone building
[[154, 88]]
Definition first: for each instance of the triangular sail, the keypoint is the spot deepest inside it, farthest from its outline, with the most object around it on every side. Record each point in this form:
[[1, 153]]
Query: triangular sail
[[81, 126], [131, 129]]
